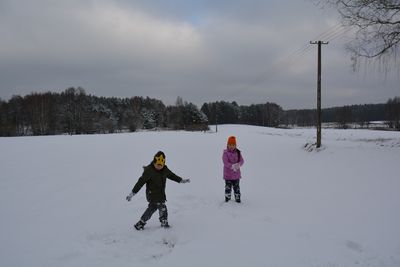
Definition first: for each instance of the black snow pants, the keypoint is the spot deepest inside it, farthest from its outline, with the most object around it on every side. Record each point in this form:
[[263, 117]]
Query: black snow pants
[[228, 188], [162, 209]]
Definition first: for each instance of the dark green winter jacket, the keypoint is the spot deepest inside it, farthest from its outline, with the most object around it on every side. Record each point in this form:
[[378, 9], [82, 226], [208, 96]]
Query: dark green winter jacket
[[155, 182]]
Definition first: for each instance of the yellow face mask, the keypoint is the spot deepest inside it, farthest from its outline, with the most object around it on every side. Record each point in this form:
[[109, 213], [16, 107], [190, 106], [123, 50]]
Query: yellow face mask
[[160, 160]]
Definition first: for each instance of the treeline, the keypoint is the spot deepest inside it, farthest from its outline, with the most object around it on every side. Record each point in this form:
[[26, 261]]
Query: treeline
[[269, 114], [272, 115], [362, 115], [75, 112]]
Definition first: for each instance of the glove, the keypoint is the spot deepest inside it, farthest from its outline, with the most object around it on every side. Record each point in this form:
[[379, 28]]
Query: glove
[[129, 197], [184, 181], [235, 167]]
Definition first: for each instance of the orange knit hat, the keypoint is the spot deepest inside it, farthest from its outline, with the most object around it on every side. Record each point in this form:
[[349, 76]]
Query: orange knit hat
[[232, 140]]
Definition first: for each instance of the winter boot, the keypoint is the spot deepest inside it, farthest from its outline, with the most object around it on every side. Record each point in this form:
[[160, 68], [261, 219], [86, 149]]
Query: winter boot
[[139, 225], [227, 199], [237, 196], [164, 224]]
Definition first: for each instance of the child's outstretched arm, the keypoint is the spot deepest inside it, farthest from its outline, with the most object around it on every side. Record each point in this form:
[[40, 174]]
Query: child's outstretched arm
[[139, 184], [175, 177]]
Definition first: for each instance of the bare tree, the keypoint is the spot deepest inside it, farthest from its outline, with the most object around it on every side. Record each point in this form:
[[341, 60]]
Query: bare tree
[[377, 24]]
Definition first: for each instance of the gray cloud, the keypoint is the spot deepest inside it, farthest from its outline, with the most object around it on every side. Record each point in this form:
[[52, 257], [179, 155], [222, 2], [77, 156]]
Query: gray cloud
[[244, 51]]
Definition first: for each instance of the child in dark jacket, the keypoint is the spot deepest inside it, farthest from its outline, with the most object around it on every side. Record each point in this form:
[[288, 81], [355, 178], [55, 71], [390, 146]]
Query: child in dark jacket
[[154, 177], [233, 160]]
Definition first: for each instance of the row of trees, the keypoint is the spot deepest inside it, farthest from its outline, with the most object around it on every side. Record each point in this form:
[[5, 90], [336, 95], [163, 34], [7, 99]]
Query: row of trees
[[269, 114], [343, 116], [75, 112], [272, 115]]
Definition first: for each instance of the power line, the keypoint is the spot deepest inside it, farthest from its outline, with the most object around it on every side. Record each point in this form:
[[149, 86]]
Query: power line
[[337, 27], [285, 62]]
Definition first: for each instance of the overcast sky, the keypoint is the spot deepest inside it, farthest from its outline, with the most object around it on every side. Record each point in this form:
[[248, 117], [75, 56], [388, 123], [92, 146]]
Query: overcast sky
[[203, 51]]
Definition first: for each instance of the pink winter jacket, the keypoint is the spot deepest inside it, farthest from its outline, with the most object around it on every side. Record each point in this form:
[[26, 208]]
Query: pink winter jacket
[[230, 157]]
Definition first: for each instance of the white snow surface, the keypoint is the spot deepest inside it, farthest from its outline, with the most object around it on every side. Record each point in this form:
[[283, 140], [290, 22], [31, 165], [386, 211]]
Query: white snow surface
[[62, 200]]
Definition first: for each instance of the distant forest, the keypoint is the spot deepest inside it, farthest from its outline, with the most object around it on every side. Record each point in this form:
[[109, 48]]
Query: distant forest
[[75, 112], [272, 115]]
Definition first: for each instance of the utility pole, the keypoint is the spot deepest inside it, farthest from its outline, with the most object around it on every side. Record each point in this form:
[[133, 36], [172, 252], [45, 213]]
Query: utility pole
[[319, 43]]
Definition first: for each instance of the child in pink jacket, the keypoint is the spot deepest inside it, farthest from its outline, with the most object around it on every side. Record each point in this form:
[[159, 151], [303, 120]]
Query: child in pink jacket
[[233, 160]]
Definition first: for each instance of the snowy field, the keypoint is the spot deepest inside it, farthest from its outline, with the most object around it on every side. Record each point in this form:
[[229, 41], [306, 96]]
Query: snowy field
[[62, 200]]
